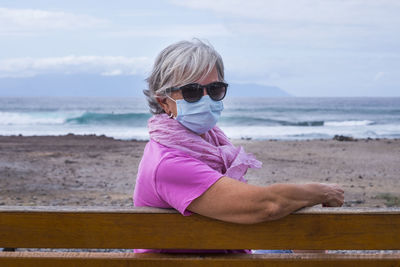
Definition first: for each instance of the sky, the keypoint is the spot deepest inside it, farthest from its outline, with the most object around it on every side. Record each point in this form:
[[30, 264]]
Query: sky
[[331, 48]]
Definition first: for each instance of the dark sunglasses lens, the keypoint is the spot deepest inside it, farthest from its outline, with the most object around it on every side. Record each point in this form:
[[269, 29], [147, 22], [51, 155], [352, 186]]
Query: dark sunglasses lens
[[192, 93], [217, 91]]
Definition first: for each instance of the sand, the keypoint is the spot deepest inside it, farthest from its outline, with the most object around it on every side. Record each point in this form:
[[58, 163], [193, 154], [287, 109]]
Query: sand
[[99, 171]]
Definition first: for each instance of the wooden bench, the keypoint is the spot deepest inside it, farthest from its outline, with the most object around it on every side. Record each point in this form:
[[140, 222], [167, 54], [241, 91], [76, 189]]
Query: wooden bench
[[115, 228]]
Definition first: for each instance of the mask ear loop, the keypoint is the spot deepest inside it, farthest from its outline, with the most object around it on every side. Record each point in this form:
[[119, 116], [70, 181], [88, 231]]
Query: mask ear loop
[[171, 115], [171, 98]]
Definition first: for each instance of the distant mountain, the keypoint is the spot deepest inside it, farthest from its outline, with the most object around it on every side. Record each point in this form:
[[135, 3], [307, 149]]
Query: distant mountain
[[106, 86]]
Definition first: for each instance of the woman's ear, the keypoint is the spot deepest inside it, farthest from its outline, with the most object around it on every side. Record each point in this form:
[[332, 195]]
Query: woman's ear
[[162, 101]]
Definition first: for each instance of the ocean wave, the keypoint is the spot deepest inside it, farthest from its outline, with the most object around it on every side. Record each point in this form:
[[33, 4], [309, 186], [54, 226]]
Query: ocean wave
[[133, 119], [76, 117], [140, 120], [349, 123], [265, 119], [235, 132], [258, 121], [15, 118], [293, 132]]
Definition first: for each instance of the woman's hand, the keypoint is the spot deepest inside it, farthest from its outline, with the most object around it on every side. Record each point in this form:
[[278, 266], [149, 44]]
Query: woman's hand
[[334, 195]]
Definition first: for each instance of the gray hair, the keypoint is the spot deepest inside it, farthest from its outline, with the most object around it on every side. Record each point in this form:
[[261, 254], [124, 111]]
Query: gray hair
[[179, 64]]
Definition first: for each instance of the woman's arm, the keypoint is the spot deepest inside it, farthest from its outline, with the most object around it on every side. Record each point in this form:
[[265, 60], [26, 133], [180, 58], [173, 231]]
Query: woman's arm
[[234, 201]]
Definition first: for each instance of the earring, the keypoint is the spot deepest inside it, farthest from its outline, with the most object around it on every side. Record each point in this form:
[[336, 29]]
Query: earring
[[171, 115]]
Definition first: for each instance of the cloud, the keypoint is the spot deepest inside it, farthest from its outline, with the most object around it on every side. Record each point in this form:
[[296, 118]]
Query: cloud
[[175, 31], [379, 76], [116, 72], [29, 21], [311, 22], [328, 12], [104, 65]]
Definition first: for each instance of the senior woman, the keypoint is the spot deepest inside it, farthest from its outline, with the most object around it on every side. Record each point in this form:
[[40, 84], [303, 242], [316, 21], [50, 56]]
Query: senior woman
[[190, 165]]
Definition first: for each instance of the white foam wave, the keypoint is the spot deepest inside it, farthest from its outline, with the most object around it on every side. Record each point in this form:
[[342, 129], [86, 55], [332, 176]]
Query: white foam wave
[[234, 132], [293, 132], [123, 133], [348, 123], [38, 118]]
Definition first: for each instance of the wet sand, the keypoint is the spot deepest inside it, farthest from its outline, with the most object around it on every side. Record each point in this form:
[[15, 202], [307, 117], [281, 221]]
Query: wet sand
[[99, 171]]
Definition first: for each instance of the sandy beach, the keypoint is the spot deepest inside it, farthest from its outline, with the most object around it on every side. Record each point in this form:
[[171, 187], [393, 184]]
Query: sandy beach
[[99, 171]]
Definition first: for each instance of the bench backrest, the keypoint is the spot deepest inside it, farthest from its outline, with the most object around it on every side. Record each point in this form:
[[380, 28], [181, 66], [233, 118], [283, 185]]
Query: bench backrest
[[314, 228]]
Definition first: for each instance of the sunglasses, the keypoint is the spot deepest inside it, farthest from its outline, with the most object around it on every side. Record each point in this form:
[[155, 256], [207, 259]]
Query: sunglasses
[[193, 92]]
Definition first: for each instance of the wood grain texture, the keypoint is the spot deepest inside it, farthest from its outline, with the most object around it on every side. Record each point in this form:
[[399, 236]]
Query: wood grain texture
[[142, 229], [130, 259]]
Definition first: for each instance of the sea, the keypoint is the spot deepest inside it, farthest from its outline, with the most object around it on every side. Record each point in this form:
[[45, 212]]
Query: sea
[[292, 118]]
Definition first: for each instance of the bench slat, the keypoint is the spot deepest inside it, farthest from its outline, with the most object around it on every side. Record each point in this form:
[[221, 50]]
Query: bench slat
[[69, 229], [44, 259]]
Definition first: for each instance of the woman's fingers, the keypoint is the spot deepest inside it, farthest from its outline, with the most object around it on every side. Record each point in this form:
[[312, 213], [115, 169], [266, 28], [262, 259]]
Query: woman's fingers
[[334, 196]]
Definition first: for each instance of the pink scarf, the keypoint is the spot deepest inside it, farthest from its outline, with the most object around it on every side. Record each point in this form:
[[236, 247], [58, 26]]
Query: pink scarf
[[215, 150]]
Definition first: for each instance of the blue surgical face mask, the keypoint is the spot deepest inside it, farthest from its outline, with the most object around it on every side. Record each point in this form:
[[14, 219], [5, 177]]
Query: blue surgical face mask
[[200, 116]]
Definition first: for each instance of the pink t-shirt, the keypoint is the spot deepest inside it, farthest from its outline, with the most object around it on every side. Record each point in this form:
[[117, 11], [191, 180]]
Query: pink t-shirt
[[169, 178]]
